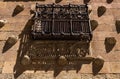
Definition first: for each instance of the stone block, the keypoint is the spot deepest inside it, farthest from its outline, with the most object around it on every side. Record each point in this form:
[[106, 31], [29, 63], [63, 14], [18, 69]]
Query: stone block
[[86, 76], [8, 67], [100, 76], [115, 67], [113, 76]]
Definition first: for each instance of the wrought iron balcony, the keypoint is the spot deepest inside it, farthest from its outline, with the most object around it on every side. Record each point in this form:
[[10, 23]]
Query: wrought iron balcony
[[53, 21]]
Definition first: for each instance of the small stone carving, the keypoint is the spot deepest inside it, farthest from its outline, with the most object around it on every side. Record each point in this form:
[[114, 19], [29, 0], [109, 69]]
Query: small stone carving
[[86, 1], [12, 40], [109, 43], [109, 1], [117, 23], [110, 40], [62, 60], [9, 43], [101, 10], [18, 9], [57, 1], [97, 65], [2, 22], [99, 61], [25, 60], [94, 24]]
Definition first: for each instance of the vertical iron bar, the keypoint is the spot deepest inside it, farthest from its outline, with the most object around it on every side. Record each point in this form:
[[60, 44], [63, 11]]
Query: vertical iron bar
[[53, 16], [70, 20]]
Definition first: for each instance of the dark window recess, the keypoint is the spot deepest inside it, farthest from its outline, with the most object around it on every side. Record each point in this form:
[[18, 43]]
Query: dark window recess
[[53, 21]]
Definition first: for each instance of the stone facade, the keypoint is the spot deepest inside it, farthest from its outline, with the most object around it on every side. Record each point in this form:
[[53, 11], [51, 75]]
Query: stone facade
[[18, 25]]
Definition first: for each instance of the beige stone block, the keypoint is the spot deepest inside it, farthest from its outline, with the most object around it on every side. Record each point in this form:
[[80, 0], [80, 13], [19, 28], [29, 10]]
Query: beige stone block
[[106, 68], [18, 19], [104, 28], [2, 4], [6, 76], [10, 56], [1, 58], [1, 46], [98, 45], [113, 76], [115, 67], [8, 67], [117, 46], [1, 64], [86, 76], [100, 36], [7, 27], [86, 68], [4, 35], [113, 56], [116, 5], [116, 12], [100, 76], [106, 19]]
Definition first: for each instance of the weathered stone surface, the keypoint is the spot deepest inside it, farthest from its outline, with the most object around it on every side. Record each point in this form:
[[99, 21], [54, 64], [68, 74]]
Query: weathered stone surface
[[4, 35], [113, 76], [100, 76], [115, 67], [8, 67], [10, 55], [1, 64], [6, 76], [106, 28], [86, 76]]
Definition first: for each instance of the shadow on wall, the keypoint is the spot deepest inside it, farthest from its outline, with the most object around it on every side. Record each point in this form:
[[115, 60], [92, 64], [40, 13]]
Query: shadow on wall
[[45, 55], [25, 42]]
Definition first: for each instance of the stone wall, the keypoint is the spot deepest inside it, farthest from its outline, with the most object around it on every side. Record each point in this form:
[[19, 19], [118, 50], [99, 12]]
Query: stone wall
[[18, 25]]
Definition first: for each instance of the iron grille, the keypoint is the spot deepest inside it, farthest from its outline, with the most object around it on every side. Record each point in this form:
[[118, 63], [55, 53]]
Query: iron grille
[[53, 21]]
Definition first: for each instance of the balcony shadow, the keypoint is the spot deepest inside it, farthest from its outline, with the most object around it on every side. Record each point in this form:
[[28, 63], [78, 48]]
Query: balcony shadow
[[44, 54]]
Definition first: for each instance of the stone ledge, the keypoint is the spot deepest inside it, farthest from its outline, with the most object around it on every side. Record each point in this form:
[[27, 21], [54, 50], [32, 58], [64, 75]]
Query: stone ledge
[[109, 67]]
